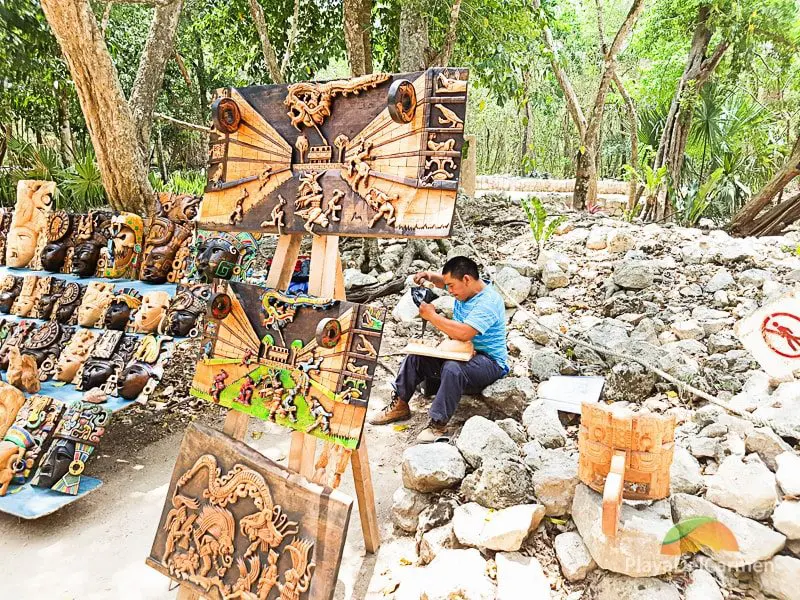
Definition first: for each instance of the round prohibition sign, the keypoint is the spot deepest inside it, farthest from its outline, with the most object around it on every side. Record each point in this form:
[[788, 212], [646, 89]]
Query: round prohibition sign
[[781, 333]]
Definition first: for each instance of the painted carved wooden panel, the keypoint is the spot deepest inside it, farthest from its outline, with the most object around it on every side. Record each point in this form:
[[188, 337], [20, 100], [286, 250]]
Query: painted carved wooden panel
[[237, 525], [306, 363], [648, 443], [378, 155]]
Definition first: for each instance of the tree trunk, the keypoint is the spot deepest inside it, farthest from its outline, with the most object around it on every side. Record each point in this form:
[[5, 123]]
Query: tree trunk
[[266, 45], [152, 64], [357, 20], [585, 191], [672, 145], [633, 126], [414, 41], [64, 128], [108, 117], [775, 220], [200, 72], [745, 222], [5, 133]]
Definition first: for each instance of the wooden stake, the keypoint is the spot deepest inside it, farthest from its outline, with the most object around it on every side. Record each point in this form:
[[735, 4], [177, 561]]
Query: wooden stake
[[362, 477]]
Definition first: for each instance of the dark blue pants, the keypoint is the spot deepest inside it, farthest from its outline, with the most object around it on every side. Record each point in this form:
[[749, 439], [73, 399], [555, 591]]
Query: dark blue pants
[[456, 377]]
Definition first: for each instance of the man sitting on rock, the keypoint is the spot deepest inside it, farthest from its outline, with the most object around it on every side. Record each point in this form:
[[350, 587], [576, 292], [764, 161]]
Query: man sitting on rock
[[479, 317]]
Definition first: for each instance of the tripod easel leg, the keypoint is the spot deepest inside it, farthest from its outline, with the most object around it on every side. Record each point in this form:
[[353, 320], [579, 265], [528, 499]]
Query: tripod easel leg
[[362, 478]]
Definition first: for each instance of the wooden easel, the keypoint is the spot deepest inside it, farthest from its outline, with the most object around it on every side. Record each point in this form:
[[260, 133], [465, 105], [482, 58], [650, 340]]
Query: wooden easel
[[325, 280]]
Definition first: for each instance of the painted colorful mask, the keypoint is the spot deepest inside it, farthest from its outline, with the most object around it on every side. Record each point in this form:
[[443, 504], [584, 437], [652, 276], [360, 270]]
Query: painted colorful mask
[[125, 247]]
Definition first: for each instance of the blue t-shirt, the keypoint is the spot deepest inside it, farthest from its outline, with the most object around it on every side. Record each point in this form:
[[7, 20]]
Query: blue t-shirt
[[486, 313]]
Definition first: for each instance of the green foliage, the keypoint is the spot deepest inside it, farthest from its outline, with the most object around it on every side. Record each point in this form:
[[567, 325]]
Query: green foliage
[[82, 183], [543, 226], [692, 205]]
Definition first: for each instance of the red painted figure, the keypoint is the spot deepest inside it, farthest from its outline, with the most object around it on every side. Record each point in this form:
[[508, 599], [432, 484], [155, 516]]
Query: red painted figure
[[218, 385]]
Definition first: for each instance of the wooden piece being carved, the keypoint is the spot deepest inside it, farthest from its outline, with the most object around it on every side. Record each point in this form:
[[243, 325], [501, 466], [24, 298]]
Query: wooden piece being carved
[[237, 526], [259, 154], [22, 372], [27, 229], [643, 444]]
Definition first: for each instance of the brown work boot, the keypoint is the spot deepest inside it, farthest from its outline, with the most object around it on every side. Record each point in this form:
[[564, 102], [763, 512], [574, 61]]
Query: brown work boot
[[396, 410], [434, 432]]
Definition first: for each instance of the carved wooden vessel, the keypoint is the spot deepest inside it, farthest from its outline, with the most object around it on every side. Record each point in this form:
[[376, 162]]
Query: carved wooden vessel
[[624, 455]]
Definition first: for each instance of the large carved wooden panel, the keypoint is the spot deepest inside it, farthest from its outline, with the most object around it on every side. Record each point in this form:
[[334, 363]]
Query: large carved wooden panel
[[306, 363], [378, 155], [237, 525], [646, 439]]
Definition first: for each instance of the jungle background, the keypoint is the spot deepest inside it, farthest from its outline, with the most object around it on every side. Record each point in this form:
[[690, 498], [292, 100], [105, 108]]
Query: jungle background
[[697, 101]]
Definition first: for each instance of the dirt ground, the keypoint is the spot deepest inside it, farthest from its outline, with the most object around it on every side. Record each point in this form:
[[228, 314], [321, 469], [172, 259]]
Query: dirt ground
[[95, 548]]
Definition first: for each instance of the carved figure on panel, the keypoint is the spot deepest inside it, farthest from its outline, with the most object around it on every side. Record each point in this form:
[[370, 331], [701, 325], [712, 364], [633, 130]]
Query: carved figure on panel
[[95, 302], [50, 290], [34, 203], [297, 580], [449, 118], [450, 84], [276, 216], [357, 172], [60, 242], [164, 240], [121, 258], [381, 203]]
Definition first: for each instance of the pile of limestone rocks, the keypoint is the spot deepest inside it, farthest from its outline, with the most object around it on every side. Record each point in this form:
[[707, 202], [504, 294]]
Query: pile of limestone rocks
[[500, 513]]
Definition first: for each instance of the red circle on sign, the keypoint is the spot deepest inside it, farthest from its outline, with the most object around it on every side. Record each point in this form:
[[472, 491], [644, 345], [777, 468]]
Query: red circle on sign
[[779, 336]]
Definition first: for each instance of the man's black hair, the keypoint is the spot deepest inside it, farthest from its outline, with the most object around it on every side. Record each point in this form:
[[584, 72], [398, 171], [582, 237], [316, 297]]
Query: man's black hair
[[458, 266]]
